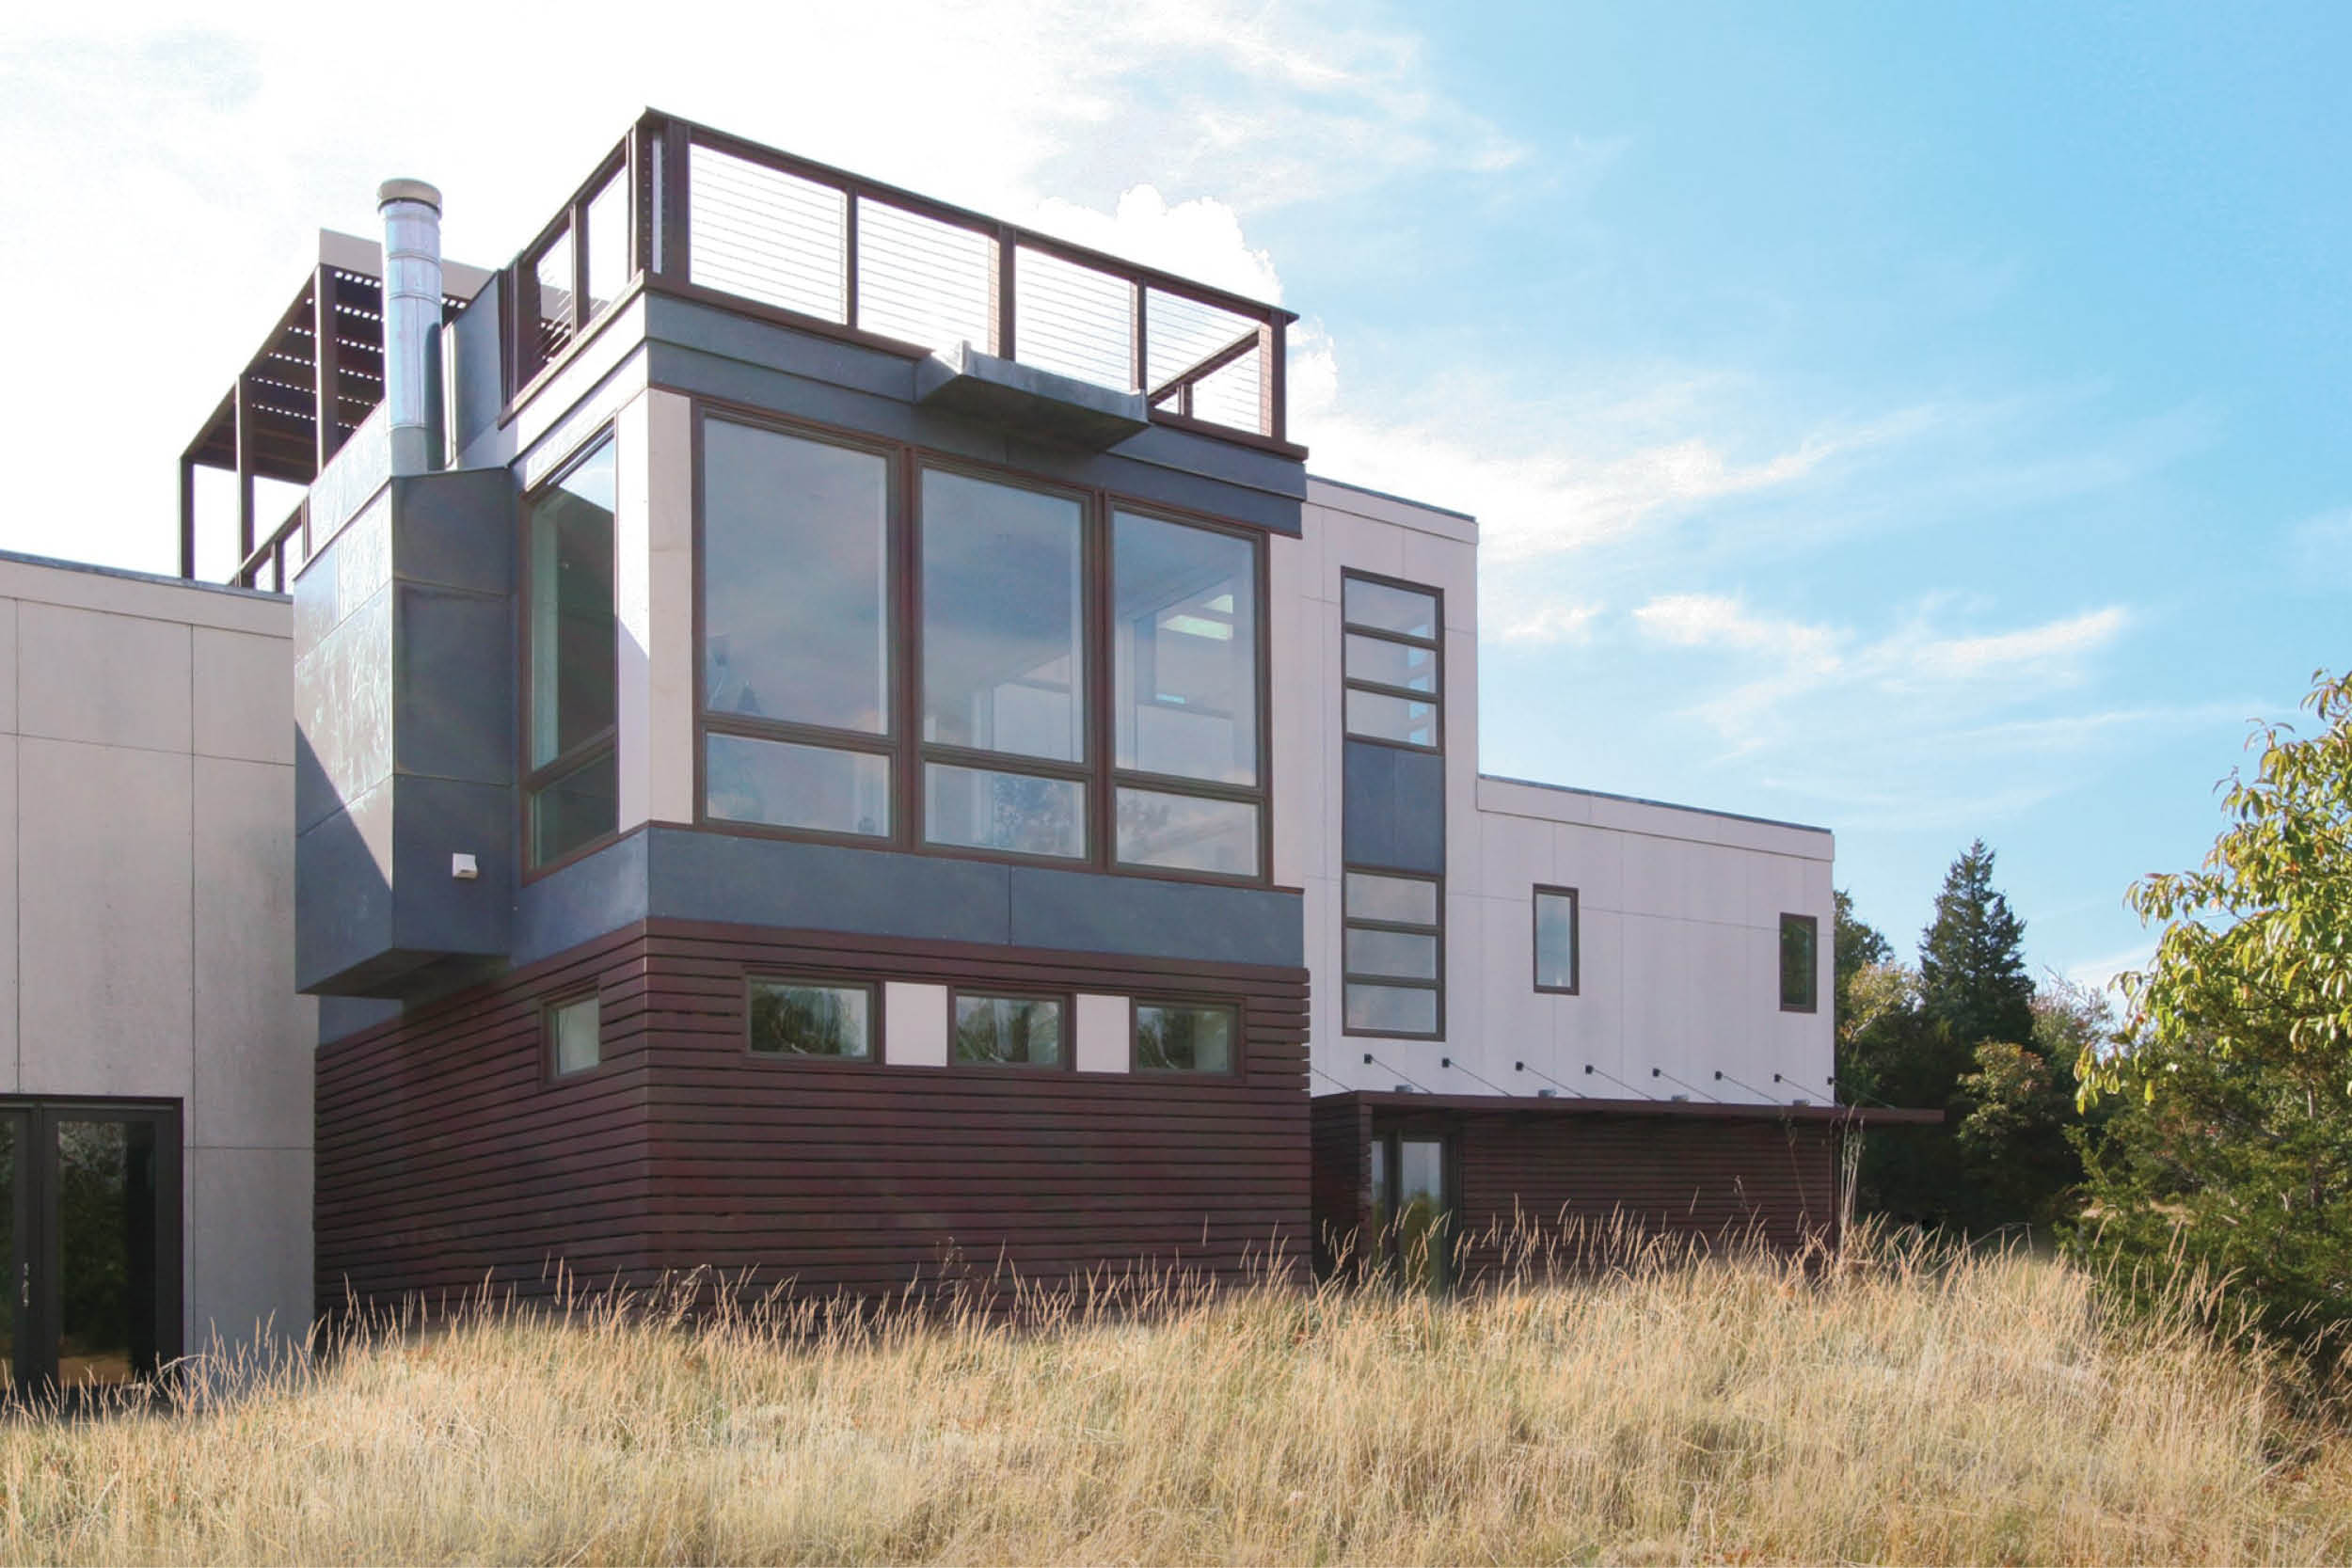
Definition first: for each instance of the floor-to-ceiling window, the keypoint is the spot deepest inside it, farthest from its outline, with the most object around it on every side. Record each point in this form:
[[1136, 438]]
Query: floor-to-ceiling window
[[942, 658], [89, 1235]]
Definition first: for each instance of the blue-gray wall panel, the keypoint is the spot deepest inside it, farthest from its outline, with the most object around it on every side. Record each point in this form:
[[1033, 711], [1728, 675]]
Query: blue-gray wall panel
[[702, 348], [759, 881], [479, 374], [342, 900], [343, 691], [1089, 912], [1393, 812], [594, 895], [456, 528], [434, 911], [454, 714]]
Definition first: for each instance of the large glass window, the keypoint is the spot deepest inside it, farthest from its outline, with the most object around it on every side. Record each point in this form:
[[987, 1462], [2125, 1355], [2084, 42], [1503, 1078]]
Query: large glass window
[[572, 785], [1390, 655], [1004, 647], [796, 620], [795, 1018], [970, 664], [1184, 620], [1019, 1031], [796, 575], [1394, 956], [1555, 938]]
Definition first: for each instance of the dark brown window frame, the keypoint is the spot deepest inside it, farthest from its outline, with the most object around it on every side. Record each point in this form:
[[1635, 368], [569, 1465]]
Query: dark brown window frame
[[1135, 1003], [1812, 1002], [1066, 1001], [1576, 938], [549, 1063], [605, 740], [908, 753], [1349, 977], [877, 1050], [1386, 1262], [1436, 699]]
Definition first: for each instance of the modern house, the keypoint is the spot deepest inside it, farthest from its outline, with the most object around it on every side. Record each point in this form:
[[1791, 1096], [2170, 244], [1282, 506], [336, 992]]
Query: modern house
[[802, 729]]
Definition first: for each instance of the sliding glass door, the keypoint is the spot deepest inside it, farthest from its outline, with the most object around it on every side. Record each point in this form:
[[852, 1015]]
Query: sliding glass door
[[89, 1234]]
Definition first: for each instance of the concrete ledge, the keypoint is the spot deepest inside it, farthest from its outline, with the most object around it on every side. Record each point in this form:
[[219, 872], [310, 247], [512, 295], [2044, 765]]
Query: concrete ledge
[[1038, 404]]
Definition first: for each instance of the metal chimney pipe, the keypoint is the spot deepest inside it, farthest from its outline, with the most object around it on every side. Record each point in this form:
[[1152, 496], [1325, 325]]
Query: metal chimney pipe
[[411, 211]]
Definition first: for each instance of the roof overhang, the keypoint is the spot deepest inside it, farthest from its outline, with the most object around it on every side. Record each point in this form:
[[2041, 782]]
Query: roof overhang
[[1572, 1105]]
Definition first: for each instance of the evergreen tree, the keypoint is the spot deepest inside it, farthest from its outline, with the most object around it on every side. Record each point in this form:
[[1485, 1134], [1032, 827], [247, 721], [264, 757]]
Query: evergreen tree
[[1972, 964]]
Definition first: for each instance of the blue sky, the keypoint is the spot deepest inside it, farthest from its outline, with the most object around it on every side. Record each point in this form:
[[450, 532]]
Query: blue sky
[[1924, 421]]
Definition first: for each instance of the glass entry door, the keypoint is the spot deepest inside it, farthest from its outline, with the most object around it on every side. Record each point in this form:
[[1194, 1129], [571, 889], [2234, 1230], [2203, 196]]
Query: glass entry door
[[89, 1201], [1412, 1211]]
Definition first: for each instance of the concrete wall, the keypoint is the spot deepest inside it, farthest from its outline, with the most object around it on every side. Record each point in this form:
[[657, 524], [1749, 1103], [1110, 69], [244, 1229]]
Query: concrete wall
[[147, 900], [1679, 910]]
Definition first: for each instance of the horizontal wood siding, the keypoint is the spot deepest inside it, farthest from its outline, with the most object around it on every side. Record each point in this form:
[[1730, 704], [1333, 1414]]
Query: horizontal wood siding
[[1523, 1182], [446, 1157], [1341, 1131], [1702, 1179], [875, 1177]]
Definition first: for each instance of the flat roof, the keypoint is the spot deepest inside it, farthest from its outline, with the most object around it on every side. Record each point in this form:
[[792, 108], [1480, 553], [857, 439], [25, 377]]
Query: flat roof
[[1391, 496], [1662, 805]]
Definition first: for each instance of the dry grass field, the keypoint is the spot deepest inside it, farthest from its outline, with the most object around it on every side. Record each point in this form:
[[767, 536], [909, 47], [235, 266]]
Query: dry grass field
[[1905, 1407]]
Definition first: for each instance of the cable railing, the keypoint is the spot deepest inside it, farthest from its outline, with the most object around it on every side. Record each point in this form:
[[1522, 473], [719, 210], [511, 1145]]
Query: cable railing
[[698, 212]]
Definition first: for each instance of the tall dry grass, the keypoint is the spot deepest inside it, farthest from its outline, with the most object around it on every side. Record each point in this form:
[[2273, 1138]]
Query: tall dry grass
[[1922, 1407]]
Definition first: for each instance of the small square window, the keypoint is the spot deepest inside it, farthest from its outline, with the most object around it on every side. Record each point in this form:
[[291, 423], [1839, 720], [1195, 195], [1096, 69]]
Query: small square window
[[1555, 938], [1020, 1031], [1176, 1039], [1800, 963], [575, 1034], [793, 1019]]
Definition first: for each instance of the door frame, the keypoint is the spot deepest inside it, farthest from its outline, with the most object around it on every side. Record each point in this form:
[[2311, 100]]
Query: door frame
[[34, 1273], [1388, 1136]]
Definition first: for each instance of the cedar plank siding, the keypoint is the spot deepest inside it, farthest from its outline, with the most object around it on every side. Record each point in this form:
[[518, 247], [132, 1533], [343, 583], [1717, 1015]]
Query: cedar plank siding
[[1343, 1131], [1527, 1175], [1703, 1179], [453, 1157]]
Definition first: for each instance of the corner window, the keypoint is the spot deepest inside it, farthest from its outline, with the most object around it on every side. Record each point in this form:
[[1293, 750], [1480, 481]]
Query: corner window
[[1800, 963], [1018, 1031], [1173, 1036], [796, 628], [1392, 955], [575, 1032], [571, 787], [1186, 671], [1389, 654], [1555, 940], [797, 1018]]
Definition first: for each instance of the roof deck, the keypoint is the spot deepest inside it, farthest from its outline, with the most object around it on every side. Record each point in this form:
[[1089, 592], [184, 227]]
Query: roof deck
[[682, 209]]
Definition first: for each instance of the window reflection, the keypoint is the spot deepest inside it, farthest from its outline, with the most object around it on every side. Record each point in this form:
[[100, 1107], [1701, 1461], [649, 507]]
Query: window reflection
[[795, 579], [1018, 812], [1186, 623], [1003, 645]]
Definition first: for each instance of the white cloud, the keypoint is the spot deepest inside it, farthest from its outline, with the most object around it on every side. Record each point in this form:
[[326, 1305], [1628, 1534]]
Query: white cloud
[[1964, 658], [1539, 625], [1200, 239]]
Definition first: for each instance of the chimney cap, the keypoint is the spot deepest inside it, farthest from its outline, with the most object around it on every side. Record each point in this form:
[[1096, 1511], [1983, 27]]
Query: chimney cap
[[408, 190]]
